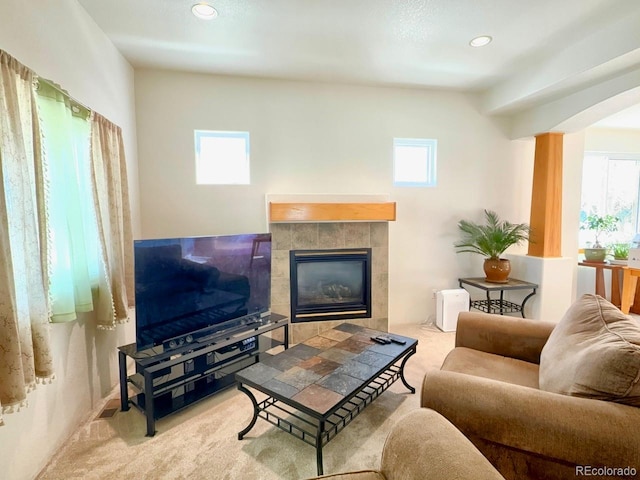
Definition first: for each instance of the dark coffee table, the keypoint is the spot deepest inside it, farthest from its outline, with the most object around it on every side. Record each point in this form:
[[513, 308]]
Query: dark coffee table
[[319, 386]]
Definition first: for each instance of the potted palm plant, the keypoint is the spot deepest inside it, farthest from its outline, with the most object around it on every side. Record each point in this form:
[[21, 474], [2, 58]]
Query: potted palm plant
[[490, 240], [598, 224]]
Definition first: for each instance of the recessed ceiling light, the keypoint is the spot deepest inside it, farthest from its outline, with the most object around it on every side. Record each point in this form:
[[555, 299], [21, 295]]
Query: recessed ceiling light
[[204, 11], [480, 41]]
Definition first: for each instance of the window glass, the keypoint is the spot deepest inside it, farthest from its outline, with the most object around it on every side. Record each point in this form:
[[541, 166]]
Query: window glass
[[73, 248], [222, 158], [610, 185], [414, 162]]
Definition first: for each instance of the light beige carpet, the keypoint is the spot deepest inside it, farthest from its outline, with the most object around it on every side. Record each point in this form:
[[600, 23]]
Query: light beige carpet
[[201, 442]]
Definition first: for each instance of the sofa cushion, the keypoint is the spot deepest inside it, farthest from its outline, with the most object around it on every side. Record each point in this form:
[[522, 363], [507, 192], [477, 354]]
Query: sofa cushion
[[593, 352], [489, 365]]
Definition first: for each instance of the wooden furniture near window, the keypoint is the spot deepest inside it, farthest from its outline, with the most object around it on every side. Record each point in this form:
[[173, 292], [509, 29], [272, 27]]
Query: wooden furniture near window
[[616, 274], [624, 283], [630, 297]]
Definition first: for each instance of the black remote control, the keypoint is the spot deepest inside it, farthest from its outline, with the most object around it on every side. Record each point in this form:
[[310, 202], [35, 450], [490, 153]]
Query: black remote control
[[380, 340], [389, 339]]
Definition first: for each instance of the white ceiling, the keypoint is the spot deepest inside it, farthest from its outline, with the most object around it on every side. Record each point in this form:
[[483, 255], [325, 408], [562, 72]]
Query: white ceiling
[[542, 49]]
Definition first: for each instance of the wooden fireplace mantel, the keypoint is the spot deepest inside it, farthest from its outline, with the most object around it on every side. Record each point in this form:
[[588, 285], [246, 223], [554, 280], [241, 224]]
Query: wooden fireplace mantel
[[332, 212]]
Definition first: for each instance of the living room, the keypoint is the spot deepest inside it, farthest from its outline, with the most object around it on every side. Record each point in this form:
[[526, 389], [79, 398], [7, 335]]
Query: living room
[[324, 137]]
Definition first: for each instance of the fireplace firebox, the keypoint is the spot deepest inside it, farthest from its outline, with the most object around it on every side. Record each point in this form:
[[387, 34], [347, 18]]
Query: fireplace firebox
[[330, 284]]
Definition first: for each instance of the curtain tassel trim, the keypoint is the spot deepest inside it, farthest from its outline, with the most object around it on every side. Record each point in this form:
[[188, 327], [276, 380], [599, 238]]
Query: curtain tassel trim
[[17, 406], [48, 380], [13, 408], [116, 322], [48, 271]]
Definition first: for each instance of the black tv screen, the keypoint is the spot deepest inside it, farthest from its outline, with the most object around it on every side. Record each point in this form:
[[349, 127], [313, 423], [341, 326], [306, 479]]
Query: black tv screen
[[199, 284]]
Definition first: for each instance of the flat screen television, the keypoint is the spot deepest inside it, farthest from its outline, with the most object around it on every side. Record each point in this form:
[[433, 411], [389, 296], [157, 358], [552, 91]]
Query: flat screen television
[[199, 285]]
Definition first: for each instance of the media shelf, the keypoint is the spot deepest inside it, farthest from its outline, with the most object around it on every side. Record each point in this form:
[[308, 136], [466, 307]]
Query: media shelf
[[176, 378]]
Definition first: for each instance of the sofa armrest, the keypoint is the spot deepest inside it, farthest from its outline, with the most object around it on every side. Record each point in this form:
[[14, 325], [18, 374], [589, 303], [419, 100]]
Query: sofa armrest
[[513, 337], [574, 430], [423, 445]]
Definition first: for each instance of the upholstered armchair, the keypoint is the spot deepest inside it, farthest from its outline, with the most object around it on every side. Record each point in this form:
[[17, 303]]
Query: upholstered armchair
[[423, 445], [543, 400]]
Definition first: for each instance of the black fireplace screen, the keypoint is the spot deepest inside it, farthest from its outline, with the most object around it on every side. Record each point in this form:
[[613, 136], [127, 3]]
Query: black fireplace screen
[[330, 284]]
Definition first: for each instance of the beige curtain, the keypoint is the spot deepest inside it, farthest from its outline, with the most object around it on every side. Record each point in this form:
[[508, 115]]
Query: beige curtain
[[25, 352], [109, 172]]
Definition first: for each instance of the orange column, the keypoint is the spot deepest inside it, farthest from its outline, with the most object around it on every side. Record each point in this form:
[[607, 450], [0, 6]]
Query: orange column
[[546, 198]]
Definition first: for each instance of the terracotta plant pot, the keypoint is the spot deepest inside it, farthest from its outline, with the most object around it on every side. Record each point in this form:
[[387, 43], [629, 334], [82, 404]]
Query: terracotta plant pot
[[497, 270]]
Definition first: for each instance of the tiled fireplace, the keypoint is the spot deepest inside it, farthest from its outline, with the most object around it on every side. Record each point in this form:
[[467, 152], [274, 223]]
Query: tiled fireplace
[[330, 284], [329, 236]]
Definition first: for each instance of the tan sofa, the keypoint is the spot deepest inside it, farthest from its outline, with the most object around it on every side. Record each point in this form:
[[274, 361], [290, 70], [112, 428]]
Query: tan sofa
[[423, 445], [489, 388]]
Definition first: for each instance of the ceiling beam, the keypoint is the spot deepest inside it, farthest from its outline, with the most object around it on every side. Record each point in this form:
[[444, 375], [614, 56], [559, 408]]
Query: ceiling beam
[[567, 114], [607, 51]]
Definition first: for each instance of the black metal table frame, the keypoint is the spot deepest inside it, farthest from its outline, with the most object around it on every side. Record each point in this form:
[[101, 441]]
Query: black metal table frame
[[501, 305], [318, 429]]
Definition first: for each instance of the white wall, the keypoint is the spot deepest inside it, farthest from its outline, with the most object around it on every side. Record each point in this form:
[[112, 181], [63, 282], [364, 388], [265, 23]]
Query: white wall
[[315, 138], [612, 140], [573, 156], [59, 41]]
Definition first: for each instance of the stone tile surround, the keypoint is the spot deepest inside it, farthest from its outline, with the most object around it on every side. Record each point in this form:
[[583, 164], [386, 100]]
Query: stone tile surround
[[327, 235]]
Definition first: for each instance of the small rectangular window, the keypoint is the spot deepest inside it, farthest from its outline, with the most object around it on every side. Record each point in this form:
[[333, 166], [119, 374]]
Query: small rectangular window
[[222, 158], [414, 162]]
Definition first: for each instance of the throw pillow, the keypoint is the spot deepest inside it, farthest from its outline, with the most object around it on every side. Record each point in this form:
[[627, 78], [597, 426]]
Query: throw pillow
[[593, 352]]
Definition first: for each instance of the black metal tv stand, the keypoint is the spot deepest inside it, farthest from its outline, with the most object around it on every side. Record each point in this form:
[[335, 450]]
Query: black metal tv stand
[[167, 380]]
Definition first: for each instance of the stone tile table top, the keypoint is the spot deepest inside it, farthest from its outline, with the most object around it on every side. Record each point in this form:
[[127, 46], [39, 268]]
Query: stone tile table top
[[326, 381], [324, 370]]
